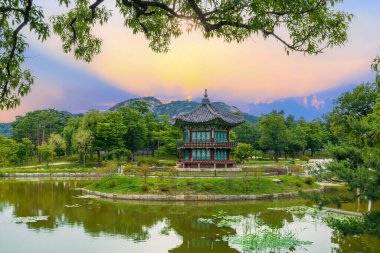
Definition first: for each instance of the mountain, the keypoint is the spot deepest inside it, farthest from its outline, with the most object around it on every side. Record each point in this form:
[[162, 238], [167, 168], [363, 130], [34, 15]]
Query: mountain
[[309, 107], [151, 101], [175, 107], [6, 129]]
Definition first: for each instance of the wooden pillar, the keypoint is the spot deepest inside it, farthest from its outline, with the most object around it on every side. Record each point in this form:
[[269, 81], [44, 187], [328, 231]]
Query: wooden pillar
[[212, 154], [212, 134], [228, 154], [190, 154], [228, 135]]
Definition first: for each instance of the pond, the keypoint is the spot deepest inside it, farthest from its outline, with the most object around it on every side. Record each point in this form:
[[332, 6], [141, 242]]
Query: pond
[[63, 220]]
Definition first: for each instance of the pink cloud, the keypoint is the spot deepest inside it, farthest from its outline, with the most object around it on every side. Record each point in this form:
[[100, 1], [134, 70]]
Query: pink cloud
[[317, 103], [305, 102]]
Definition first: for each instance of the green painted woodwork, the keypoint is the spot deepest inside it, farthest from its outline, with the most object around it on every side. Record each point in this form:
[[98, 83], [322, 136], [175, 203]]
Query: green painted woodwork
[[220, 136], [201, 136], [200, 154]]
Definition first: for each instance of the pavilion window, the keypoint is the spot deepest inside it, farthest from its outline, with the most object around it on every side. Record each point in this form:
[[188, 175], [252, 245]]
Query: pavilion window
[[201, 136], [220, 136]]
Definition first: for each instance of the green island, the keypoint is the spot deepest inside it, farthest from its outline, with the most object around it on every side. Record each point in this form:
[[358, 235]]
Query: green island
[[224, 186]]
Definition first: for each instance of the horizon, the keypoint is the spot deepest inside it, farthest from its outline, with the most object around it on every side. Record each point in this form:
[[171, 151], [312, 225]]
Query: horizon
[[257, 74]]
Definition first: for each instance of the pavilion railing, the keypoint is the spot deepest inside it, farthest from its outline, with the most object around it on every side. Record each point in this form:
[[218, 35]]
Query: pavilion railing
[[207, 161], [207, 144]]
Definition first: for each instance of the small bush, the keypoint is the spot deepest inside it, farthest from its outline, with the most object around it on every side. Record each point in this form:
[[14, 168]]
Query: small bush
[[163, 186], [309, 180], [145, 187], [292, 162], [73, 158], [298, 183], [304, 158], [151, 161], [97, 184], [112, 184], [189, 182], [208, 186], [346, 225], [372, 223], [245, 186]]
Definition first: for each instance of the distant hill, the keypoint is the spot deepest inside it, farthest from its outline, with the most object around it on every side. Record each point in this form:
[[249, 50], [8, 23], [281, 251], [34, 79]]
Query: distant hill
[[175, 107], [151, 101], [6, 129]]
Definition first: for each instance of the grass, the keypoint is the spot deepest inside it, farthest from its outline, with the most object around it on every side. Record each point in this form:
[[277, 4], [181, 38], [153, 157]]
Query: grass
[[217, 186]]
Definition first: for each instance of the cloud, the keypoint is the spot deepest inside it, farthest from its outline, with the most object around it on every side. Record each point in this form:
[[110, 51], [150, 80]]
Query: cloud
[[305, 102], [317, 103]]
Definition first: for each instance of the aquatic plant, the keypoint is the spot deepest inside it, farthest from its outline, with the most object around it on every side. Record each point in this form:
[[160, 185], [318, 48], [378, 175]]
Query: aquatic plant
[[29, 219], [266, 239], [253, 236]]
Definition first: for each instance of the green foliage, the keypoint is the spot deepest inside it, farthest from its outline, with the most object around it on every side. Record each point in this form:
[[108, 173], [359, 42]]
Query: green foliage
[[208, 186], [273, 133], [163, 186], [225, 186], [47, 153], [160, 22], [112, 184], [244, 151], [309, 180], [255, 237]]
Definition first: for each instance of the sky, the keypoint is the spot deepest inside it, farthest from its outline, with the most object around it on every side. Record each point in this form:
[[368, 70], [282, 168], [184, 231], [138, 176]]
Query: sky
[[255, 75]]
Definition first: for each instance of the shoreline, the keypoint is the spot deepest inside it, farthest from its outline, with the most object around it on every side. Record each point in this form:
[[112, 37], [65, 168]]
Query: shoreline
[[195, 197]]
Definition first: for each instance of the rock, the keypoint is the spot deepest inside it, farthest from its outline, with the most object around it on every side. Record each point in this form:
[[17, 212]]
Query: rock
[[277, 181]]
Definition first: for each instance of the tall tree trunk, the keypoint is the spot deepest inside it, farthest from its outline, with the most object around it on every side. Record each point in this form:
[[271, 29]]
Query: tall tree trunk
[[98, 153]]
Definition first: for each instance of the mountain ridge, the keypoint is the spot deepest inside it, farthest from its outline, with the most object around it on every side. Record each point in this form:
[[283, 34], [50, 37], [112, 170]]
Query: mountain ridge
[[180, 106]]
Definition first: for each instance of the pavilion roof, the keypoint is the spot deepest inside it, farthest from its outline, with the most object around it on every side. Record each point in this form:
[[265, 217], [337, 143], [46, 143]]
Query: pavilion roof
[[207, 113]]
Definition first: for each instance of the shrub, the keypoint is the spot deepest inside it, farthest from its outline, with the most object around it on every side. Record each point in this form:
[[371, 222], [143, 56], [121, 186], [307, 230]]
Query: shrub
[[292, 162], [163, 186], [73, 158], [151, 161], [298, 183], [189, 182], [245, 186], [346, 225], [112, 184], [208, 186], [97, 184], [309, 180], [372, 223], [304, 158], [145, 187]]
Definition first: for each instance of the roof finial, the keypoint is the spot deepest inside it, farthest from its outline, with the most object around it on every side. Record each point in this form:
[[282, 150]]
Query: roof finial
[[205, 99]]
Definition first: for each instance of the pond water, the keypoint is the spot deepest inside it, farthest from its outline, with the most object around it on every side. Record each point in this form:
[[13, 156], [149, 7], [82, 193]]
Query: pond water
[[66, 222]]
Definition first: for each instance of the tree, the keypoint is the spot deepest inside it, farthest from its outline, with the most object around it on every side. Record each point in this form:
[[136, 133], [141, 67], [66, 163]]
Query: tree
[[355, 121], [310, 26], [166, 136], [82, 140], [273, 133], [58, 144], [316, 136], [117, 154], [137, 132], [47, 153], [244, 151], [38, 125], [296, 141], [110, 132], [7, 148], [248, 133]]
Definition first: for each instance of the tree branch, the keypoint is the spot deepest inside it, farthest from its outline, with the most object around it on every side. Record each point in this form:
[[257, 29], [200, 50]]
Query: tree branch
[[26, 14]]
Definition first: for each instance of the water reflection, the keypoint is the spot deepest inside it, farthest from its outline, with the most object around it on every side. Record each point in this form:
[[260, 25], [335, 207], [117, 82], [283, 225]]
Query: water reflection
[[94, 224]]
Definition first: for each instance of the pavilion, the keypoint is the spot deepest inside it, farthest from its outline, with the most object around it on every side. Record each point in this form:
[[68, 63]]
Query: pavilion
[[206, 136]]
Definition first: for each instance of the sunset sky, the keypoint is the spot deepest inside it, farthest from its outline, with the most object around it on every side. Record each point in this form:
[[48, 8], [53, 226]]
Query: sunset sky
[[256, 71]]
